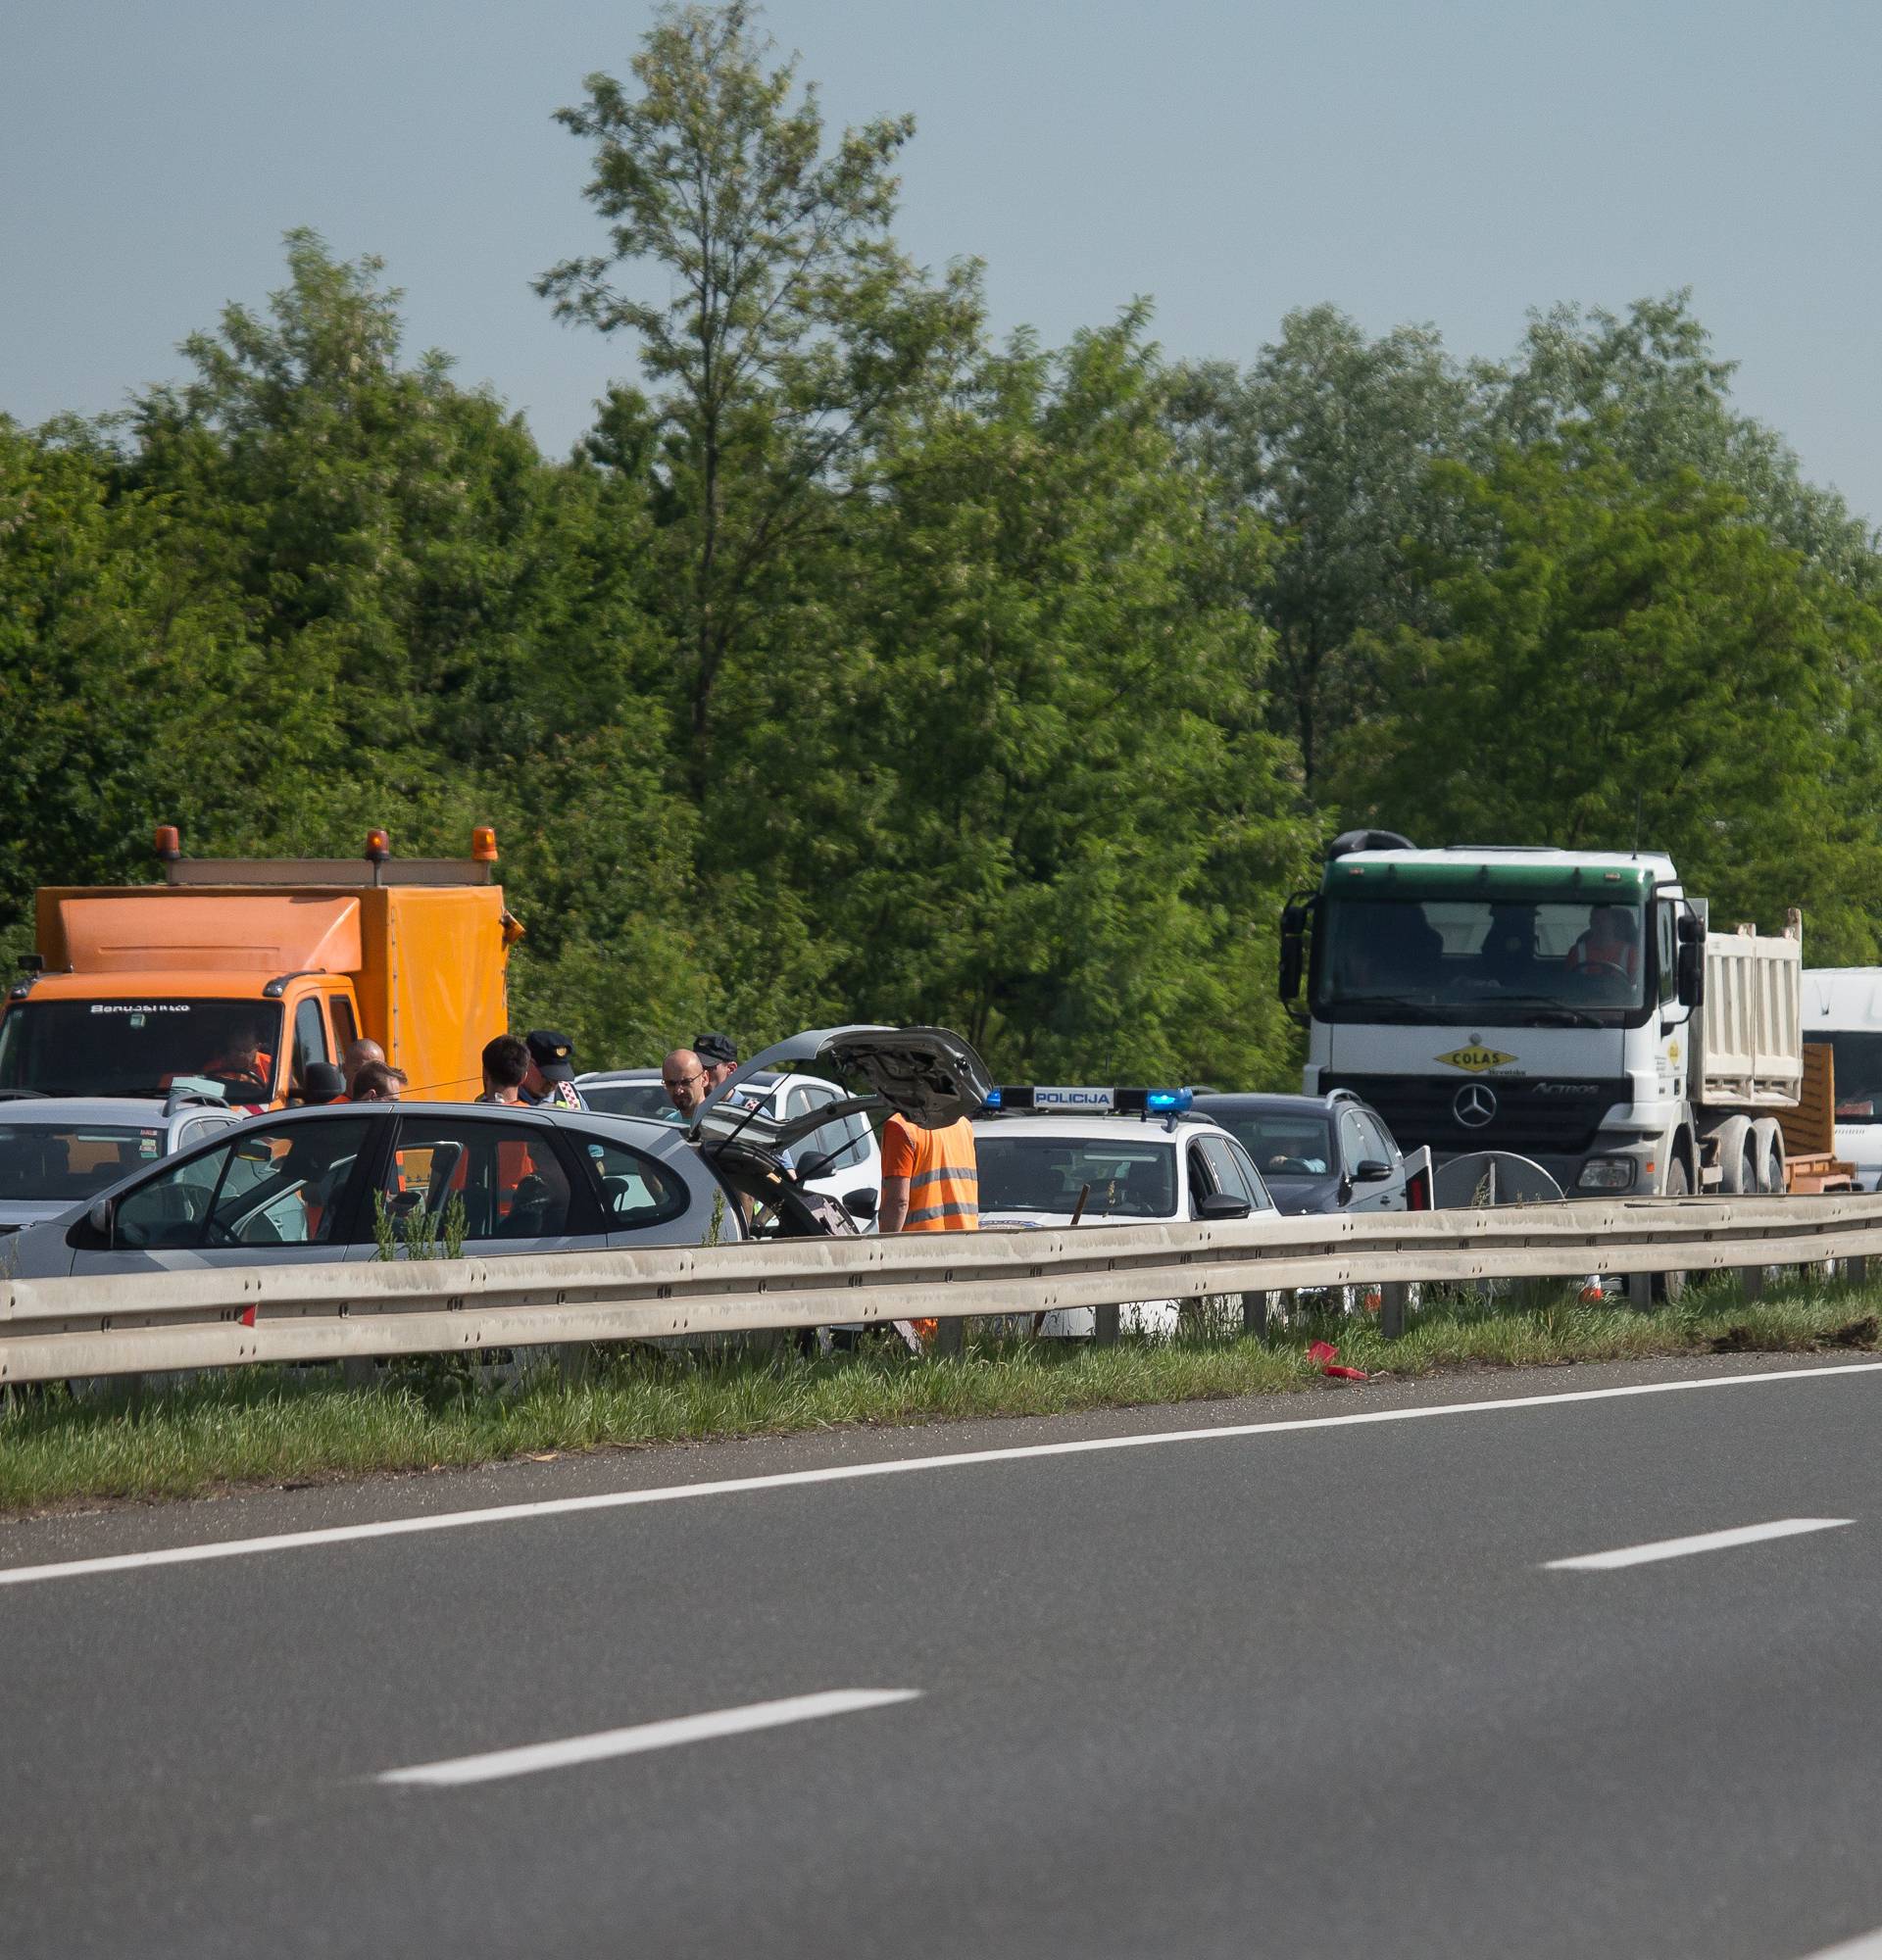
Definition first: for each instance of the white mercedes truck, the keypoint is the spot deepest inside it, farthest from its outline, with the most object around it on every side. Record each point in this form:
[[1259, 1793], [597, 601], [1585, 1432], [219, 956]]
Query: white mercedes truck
[[1572, 1007]]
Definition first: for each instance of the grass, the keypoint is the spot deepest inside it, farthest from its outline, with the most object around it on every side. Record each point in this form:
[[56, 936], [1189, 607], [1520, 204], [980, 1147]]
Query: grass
[[272, 1426]]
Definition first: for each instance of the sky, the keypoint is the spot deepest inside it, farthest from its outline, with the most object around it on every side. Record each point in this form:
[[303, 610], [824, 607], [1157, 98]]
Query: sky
[[1406, 160]]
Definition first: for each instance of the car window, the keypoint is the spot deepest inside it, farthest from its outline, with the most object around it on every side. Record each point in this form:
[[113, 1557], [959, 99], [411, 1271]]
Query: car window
[[64, 1162], [263, 1188], [1250, 1176], [345, 1029], [636, 1192], [506, 1180], [1224, 1172], [1128, 1177], [171, 1208], [1284, 1143], [285, 1186], [1373, 1135]]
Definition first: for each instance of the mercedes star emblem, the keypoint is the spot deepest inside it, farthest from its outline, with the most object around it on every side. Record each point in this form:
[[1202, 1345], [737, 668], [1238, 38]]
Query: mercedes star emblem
[[1473, 1106]]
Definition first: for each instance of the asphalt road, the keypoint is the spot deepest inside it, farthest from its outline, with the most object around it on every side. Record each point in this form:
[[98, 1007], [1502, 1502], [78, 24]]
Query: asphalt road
[[1304, 1691]]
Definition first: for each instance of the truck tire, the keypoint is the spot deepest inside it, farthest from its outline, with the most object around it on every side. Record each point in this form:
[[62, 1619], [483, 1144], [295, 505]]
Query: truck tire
[[1767, 1149], [1666, 1287], [1737, 1161]]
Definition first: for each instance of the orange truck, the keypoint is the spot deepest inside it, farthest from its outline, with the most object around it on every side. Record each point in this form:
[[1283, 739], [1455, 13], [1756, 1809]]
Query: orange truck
[[232, 975]]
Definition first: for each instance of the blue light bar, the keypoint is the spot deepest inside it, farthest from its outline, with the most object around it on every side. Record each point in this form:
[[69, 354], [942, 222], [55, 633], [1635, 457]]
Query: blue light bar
[[1072, 1101]]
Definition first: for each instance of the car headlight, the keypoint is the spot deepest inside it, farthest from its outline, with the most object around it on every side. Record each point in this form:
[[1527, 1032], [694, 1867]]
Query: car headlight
[[1605, 1174]]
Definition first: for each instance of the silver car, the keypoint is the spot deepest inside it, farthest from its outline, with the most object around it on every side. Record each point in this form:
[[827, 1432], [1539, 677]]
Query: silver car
[[57, 1153], [330, 1184]]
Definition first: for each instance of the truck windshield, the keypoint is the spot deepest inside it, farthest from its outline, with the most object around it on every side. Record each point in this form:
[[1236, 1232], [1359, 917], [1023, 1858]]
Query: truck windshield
[[141, 1047], [1859, 1077], [1448, 962]]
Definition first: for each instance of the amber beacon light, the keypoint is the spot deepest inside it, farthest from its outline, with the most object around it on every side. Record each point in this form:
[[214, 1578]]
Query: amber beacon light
[[378, 847], [168, 843], [483, 845]]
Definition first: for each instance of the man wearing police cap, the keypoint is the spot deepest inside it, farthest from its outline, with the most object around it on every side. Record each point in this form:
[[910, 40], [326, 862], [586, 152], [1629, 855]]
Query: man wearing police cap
[[551, 1081]]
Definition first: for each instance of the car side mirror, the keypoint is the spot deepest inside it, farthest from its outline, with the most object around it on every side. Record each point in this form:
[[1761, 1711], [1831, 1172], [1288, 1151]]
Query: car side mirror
[[1223, 1204], [861, 1204], [1370, 1170], [99, 1216]]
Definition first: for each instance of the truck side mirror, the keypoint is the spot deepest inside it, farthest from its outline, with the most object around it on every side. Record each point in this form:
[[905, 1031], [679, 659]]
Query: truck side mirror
[[1689, 977], [1292, 950], [1691, 929]]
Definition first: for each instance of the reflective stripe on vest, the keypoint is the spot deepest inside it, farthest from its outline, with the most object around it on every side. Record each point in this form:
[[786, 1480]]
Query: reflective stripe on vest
[[953, 1200]]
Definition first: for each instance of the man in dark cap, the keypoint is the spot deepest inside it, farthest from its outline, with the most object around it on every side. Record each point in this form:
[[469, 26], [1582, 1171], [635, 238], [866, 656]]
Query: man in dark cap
[[718, 1056], [551, 1081]]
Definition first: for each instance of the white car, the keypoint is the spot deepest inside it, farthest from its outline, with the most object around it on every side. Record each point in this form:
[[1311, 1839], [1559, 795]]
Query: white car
[[855, 1158], [1054, 1158]]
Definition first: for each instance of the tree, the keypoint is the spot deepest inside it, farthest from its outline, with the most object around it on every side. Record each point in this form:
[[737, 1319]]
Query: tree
[[795, 331], [1328, 438], [1050, 813], [1616, 646], [1651, 383]]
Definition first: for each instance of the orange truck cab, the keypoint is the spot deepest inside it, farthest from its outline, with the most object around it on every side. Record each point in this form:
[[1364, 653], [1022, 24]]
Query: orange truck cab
[[233, 975]]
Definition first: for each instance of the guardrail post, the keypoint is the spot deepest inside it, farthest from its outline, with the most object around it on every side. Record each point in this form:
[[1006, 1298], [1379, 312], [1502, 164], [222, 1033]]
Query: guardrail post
[[951, 1333], [1640, 1291], [1856, 1269], [1255, 1314], [1107, 1322], [356, 1371], [1751, 1282], [1392, 1310]]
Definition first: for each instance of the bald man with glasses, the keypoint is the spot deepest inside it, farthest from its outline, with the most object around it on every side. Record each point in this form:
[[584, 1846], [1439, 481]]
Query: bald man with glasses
[[683, 1077]]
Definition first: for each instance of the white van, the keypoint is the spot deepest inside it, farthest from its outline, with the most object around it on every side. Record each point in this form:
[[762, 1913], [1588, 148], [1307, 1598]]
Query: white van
[[1842, 1006]]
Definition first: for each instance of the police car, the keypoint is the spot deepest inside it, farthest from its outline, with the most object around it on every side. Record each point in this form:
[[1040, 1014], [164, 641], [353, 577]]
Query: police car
[[58, 1152], [1057, 1157]]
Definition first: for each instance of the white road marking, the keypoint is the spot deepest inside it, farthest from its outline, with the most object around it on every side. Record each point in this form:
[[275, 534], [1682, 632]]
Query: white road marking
[[526, 1761], [1864, 1946], [845, 1473], [1685, 1547]]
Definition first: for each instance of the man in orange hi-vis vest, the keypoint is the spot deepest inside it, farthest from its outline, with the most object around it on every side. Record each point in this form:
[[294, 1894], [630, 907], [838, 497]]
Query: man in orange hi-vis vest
[[930, 1183], [930, 1179]]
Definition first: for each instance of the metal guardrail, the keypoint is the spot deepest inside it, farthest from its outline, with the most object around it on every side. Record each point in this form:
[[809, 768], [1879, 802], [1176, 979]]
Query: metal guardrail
[[229, 1318]]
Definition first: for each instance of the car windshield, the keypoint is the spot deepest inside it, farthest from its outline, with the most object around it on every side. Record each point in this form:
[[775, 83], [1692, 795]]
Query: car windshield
[[66, 1163], [1456, 962], [141, 1047], [631, 1098], [1129, 1178], [1859, 1077], [1284, 1144]]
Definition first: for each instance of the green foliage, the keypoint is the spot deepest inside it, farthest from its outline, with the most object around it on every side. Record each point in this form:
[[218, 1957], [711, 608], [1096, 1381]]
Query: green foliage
[[854, 666], [1614, 640]]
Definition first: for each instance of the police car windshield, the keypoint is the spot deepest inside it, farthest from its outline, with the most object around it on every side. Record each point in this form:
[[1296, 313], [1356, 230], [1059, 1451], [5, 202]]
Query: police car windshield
[[140, 1048], [1455, 962], [1130, 1178], [65, 1163]]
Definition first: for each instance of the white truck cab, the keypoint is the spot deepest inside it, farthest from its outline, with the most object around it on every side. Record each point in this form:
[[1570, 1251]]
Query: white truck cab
[[1572, 1007]]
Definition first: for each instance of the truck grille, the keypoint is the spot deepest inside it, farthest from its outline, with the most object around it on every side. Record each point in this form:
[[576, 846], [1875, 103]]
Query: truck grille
[[1535, 1118]]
